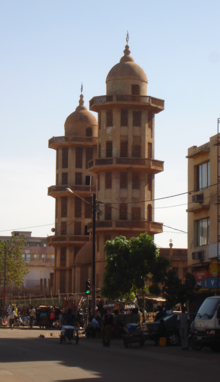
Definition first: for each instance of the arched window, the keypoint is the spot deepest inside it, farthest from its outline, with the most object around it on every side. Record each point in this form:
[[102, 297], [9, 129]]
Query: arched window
[[149, 212], [89, 132]]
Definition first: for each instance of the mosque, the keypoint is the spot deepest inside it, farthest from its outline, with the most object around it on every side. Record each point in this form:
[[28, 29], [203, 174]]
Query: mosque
[[113, 158]]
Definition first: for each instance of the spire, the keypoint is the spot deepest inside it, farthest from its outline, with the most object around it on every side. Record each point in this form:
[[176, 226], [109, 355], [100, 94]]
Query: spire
[[81, 100], [127, 50]]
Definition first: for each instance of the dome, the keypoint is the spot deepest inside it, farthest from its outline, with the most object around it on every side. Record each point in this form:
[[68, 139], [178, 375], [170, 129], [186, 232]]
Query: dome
[[77, 122], [126, 69], [84, 256]]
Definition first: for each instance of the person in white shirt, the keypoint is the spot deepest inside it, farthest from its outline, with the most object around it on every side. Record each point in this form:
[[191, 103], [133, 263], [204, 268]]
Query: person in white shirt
[[11, 318], [183, 323], [32, 316]]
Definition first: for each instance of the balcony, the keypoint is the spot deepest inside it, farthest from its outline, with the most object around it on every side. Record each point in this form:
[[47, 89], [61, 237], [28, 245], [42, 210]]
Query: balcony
[[63, 141], [127, 225], [143, 102], [68, 239], [58, 191], [141, 164]]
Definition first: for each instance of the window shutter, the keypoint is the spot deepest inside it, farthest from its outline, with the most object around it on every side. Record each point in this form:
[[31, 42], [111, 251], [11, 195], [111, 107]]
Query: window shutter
[[136, 213], [109, 118], [63, 228], [123, 180], [108, 212], [77, 228], [89, 132], [79, 157], [65, 157], [124, 117], [123, 211], [78, 207], [89, 155], [135, 89], [65, 178], [108, 180], [137, 118], [63, 207], [124, 147], [109, 149], [135, 181], [78, 178], [63, 256]]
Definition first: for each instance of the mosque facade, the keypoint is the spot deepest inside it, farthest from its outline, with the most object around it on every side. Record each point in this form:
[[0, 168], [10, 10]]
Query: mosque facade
[[112, 157]]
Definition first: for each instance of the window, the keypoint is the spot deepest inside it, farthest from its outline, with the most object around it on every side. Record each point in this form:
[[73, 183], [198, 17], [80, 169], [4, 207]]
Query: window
[[149, 150], [63, 256], [137, 118], [150, 122], [43, 256], [88, 209], [78, 178], [135, 89], [97, 243], [63, 207], [135, 181], [78, 207], [36, 256], [176, 270], [149, 212], [28, 257], [65, 157], [23, 256], [203, 175], [99, 120], [108, 212], [136, 213], [89, 155], [77, 228], [123, 180], [109, 118], [108, 149], [202, 231], [86, 231], [136, 147], [108, 180], [88, 178], [99, 150], [65, 178], [124, 117], [89, 132], [123, 211], [79, 156], [57, 159], [63, 228], [124, 147]]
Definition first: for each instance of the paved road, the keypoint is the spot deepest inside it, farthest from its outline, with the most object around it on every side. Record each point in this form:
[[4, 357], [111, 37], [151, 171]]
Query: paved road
[[25, 357]]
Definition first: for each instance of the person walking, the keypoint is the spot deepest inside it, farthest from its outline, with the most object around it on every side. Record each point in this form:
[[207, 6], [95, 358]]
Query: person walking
[[183, 323], [107, 328], [32, 316]]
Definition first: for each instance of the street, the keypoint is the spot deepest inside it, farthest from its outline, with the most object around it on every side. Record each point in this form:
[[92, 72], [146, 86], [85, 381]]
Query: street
[[25, 356]]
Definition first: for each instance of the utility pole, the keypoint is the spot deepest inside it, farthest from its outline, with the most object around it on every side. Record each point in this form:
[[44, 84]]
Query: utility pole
[[4, 312], [93, 252]]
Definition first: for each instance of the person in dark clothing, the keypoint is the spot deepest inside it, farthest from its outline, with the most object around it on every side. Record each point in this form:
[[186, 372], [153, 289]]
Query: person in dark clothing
[[161, 331], [159, 314], [107, 328], [69, 318]]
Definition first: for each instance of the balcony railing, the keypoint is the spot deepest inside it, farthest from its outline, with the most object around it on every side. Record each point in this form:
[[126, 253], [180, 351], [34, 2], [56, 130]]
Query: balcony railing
[[128, 225], [67, 239], [68, 140], [144, 100], [75, 188], [151, 164]]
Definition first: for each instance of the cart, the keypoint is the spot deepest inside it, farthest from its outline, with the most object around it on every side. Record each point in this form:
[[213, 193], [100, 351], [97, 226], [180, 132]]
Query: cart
[[133, 334], [69, 333]]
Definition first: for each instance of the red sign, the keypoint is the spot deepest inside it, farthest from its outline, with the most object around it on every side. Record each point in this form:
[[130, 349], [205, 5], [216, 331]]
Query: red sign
[[201, 275]]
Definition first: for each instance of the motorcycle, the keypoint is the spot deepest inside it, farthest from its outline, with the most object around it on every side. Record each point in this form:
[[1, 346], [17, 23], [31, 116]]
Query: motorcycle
[[193, 343]]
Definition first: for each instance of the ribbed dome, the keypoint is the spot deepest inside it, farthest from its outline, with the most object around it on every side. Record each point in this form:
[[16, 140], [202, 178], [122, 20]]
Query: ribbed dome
[[84, 256], [126, 69], [77, 122]]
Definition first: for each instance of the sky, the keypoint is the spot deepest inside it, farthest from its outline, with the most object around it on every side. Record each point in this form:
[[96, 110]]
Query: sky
[[47, 48]]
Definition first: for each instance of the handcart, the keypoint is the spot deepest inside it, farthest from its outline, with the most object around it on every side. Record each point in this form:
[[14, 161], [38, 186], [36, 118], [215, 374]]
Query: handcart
[[69, 333], [133, 334]]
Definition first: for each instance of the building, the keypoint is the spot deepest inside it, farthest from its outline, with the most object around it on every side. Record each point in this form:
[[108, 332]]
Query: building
[[39, 258], [203, 215], [113, 158], [178, 259]]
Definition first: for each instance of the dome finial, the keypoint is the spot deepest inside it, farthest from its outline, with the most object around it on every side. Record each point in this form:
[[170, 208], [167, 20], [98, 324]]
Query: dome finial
[[127, 37], [127, 50], [81, 100]]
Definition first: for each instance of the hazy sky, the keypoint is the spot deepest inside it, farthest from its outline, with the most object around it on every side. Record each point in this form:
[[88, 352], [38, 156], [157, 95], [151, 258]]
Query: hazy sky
[[47, 48]]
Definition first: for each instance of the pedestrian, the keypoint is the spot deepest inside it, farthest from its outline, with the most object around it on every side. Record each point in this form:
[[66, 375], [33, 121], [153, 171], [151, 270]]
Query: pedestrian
[[11, 318], [32, 316], [107, 328], [183, 321]]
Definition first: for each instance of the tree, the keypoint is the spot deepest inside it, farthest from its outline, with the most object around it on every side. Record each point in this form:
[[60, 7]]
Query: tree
[[175, 291], [16, 268], [130, 265]]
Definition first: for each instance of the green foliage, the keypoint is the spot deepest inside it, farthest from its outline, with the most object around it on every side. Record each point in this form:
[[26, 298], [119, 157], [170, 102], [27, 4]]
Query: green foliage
[[130, 264], [15, 267], [177, 292]]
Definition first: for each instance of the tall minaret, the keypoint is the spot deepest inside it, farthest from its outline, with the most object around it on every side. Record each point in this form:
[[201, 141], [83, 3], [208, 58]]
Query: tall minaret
[[72, 192], [125, 164]]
